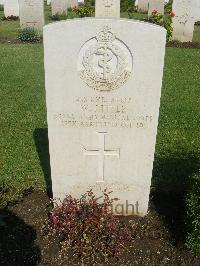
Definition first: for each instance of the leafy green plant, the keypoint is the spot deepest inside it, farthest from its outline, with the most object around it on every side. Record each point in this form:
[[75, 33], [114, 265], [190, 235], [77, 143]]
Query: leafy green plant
[[165, 21], [156, 18], [58, 17], [127, 6], [29, 35], [193, 215], [88, 228], [71, 14], [90, 3], [83, 11], [168, 6]]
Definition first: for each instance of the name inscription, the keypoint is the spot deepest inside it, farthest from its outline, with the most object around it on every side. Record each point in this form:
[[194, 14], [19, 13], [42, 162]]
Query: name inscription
[[101, 112]]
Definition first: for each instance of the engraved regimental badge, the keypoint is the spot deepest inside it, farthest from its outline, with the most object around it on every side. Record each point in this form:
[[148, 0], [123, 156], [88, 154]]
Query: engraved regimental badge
[[105, 62]]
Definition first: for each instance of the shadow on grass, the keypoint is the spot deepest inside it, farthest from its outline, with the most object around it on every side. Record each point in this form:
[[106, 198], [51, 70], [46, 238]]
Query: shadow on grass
[[17, 241], [42, 145], [170, 183]]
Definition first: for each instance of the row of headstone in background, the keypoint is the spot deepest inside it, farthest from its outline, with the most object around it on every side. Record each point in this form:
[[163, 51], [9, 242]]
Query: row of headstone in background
[[187, 12], [31, 12]]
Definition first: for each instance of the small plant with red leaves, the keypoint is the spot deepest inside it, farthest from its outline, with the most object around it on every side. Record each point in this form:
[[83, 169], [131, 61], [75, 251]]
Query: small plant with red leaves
[[171, 14], [88, 228], [165, 21], [156, 17]]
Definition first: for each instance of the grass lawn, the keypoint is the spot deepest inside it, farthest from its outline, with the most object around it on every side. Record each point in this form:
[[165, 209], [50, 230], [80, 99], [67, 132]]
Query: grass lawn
[[22, 112], [196, 36], [8, 29], [23, 136]]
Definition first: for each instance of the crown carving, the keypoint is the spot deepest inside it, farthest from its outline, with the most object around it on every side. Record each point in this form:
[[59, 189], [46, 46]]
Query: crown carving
[[106, 35]]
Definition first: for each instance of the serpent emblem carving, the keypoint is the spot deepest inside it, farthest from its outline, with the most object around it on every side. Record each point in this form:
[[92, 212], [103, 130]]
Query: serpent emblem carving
[[106, 64]]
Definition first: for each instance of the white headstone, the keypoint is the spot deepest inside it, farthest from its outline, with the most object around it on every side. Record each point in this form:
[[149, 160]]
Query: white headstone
[[1, 2], [185, 17], [197, 10], [48, 2], [143, 5], [31, 14], [11, 8], [103, 86], [72, 3], [59, 6], [157, 5], [107, 8]]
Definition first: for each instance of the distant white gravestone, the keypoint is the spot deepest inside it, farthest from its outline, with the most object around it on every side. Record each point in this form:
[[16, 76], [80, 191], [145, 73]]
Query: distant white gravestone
[[72, 3], [11, 8], [1, 2], [143, 5], [107, 8], [31, 14], [185, 17], [157, 5], [59, 7], [103, 86], [48, 2]]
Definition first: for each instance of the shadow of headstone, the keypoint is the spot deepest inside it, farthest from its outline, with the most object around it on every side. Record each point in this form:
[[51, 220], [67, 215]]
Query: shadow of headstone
[[17, 245], [170, 183], [42, 145]]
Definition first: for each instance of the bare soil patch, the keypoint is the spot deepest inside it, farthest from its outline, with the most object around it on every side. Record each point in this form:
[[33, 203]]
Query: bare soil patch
[[24, 238]]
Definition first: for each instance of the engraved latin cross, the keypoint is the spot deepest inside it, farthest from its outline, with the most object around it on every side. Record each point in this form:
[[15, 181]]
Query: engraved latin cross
[[102, 152]]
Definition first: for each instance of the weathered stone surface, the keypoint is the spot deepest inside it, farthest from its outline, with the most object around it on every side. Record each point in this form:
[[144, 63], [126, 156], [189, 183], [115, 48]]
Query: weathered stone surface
[[185, 17], [72, 3], [103, 85], [11, 8], [31, 14], [157, 5], [59, 6], [107, 8], [143, 5]]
